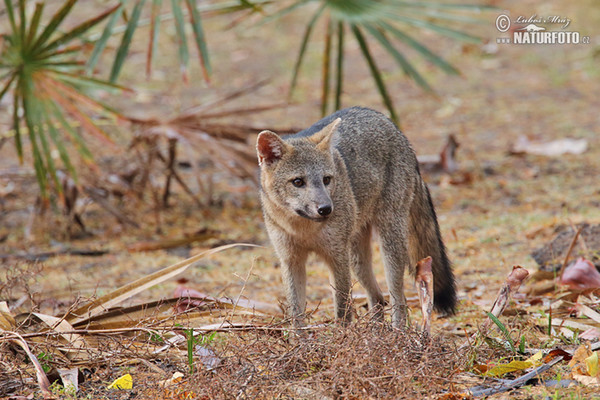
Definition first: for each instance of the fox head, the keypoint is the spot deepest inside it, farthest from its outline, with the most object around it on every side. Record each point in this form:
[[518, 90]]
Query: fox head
[[298, 175]]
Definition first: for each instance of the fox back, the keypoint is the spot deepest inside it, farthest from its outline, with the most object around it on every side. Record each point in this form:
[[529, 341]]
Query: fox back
[[325, 188]]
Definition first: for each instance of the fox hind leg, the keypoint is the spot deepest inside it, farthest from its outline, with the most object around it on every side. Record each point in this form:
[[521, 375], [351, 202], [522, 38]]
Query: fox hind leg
[[393, 238]]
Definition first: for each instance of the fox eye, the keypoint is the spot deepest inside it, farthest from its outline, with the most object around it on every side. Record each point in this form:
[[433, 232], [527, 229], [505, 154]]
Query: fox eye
[[298, 182], [326, 180]]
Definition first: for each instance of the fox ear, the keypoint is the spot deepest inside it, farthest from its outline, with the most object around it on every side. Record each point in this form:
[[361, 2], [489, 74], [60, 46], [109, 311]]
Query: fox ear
[[269, 147], [323, 137]]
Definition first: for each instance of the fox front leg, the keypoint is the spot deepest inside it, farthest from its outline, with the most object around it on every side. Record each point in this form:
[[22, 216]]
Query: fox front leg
[[293, 269], [338, 260]]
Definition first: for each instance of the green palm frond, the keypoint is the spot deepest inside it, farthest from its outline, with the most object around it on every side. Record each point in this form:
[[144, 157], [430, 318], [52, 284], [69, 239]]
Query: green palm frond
[[387, 23], [40, 69], [182, 12]]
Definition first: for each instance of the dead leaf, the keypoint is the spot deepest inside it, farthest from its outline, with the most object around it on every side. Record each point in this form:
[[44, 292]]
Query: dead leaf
[[503, 369], [556, 353], [424, 281], [193, 298], [208, 358], [173, 380], [124, 382], [70, 379], [592, 364], [444, 161], [552, 148], [76, 342], [115, 297], [590, 334], [581, 275], [7, 321], [577, 363], [42, 379], [586, 380]]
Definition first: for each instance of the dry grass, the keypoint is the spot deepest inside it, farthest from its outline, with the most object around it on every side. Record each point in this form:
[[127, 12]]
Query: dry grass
[[365, 360]]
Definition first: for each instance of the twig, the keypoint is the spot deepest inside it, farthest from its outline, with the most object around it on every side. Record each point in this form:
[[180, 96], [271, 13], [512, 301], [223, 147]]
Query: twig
[[571, 246], [237, 300], [122, 218], [117, 331], [520, 381], [170, 171], [245, 90], [47, 254]]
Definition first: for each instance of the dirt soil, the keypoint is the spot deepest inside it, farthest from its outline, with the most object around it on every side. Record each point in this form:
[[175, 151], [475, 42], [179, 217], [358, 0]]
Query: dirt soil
[[493, 212]]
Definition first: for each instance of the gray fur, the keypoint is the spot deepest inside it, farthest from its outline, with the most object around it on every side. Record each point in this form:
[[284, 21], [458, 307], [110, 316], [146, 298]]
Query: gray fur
[[375, 184]]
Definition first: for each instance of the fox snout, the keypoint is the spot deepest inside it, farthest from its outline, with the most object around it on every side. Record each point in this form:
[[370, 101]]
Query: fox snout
[[319, 208], [317, 213], [325, 210]]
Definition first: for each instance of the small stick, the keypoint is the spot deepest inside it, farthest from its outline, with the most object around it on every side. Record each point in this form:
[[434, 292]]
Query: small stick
[[571, 246], [515, 383]]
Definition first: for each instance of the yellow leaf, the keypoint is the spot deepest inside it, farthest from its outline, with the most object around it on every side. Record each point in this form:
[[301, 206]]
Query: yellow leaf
[[512, 366], [578, 362], [536, 358], [124, 382], [592, 364]]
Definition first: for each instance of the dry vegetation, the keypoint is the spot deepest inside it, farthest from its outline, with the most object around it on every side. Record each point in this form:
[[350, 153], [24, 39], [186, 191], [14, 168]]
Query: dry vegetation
[[494, 211]]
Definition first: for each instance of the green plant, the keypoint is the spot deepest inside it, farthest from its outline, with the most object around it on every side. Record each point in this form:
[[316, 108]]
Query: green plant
[[41, 69], [133, 21], [41, 66], [522, 345], [192, 341], [44, 359], [504, 331], [63, 392], [381, 20]]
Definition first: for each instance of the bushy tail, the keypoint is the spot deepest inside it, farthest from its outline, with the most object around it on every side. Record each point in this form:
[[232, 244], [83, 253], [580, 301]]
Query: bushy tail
[[425, 240]]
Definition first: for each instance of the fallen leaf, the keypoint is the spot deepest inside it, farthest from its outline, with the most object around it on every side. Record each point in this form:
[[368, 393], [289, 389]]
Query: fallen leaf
[[503, 369], [70, 379], [590, 334], [175, 379], [552, 148], [7, 321], [578, 363], [586, 380], [536, 358], [123, 382], [588, 312], [580, 275], [109, 300], [592, 364], [42, 379], [207, 357], [556, 353]]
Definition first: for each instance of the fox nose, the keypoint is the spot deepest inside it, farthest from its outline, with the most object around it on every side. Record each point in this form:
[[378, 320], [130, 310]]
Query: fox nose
[[324, 210]]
